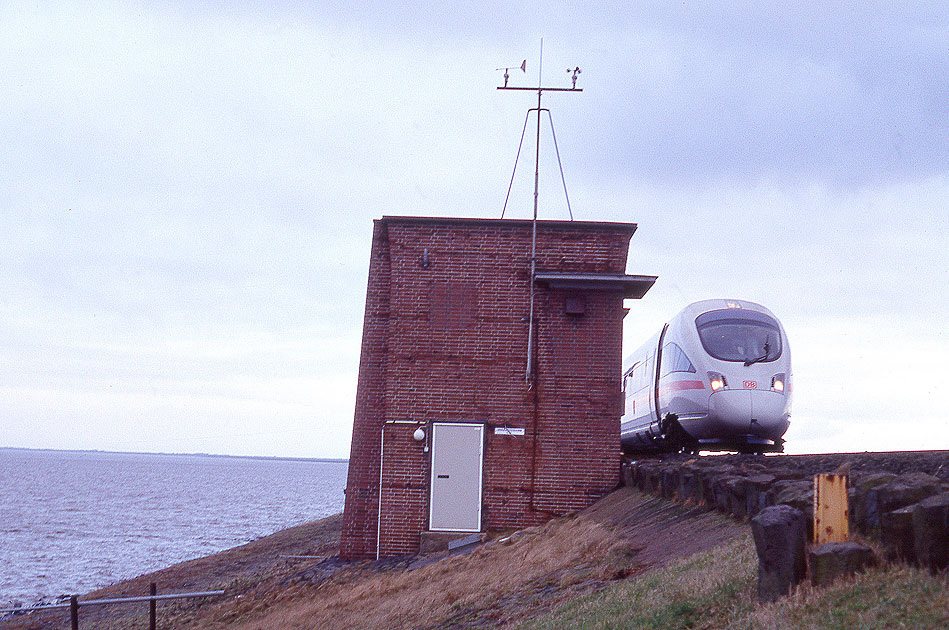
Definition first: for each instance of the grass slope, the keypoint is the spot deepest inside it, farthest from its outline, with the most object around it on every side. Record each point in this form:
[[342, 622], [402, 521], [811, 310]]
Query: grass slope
[[547, 563], [717, 590]]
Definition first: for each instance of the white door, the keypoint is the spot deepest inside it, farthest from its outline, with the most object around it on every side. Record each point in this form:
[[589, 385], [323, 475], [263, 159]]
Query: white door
[[457, 458]]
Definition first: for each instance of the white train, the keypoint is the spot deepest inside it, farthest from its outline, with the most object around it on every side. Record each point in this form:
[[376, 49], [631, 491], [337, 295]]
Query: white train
[[717, 377]]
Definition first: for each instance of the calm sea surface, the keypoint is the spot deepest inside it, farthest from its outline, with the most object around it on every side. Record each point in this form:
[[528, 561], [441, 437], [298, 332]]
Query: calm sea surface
[[74, 521]]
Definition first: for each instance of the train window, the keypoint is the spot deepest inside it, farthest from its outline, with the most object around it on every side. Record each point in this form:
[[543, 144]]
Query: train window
[[674, 360], [745, 335]]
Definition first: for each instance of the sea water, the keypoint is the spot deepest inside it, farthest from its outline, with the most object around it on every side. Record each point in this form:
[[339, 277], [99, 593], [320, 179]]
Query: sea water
[[74, 521]]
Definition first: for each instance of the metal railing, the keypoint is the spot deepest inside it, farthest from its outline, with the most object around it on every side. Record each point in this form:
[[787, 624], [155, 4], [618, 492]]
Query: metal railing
[[74, 604]]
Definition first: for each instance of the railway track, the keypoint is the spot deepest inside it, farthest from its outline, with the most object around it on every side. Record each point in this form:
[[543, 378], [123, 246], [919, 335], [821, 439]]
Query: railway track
[[935, 463]]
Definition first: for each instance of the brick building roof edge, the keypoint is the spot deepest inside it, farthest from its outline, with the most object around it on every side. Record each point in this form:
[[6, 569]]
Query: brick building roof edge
[[583, 225]]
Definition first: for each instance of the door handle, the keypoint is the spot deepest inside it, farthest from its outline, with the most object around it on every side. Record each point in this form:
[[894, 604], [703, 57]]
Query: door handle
[[443, 476]]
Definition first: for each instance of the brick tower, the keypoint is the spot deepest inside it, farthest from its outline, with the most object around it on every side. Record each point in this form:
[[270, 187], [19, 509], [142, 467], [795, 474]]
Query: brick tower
[[453, 432]]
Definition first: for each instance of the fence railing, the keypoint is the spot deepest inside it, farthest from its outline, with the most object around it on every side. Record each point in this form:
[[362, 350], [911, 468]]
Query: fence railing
[[74, 604]]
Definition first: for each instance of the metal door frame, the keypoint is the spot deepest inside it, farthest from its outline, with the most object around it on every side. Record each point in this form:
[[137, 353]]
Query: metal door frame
[[431, 474]]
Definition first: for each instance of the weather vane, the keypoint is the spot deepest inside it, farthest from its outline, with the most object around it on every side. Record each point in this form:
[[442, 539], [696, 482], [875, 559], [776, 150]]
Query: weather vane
[[523, 67], [574, 73]]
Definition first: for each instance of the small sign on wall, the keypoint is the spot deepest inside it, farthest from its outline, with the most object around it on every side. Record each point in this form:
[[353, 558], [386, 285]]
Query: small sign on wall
[[508, 431]]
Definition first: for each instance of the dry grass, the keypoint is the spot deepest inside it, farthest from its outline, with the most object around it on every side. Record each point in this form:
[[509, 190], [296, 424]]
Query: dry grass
[[545, 562]]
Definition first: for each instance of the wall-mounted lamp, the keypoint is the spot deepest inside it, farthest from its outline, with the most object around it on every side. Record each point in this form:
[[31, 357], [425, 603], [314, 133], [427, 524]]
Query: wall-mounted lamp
[[419, 434]]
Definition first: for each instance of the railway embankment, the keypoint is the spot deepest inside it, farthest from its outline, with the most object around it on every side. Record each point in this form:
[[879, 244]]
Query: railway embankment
[[898, 498]]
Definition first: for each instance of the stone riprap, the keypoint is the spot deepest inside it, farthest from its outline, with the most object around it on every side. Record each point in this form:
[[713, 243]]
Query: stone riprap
[[931, 532], [781, 544], [899, 498], [834, 560]]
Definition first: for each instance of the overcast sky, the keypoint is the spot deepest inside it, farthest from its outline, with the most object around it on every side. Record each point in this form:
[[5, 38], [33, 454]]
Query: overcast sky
[[187, 192]]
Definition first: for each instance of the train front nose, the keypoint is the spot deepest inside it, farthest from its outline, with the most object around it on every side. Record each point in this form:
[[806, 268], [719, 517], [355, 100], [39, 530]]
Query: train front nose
[[752, 412]]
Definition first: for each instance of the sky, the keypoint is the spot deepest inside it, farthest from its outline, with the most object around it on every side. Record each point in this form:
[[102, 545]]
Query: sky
[[187, 192]]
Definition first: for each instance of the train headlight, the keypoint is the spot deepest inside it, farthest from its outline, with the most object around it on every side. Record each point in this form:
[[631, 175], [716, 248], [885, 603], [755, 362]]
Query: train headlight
[[716, 381], [777, 382]]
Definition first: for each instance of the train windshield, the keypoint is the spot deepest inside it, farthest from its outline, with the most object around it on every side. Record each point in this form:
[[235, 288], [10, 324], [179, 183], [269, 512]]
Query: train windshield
[[746, 336]]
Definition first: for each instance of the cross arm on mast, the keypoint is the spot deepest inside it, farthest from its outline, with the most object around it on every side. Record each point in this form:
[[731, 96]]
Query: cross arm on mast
[[540, 89]]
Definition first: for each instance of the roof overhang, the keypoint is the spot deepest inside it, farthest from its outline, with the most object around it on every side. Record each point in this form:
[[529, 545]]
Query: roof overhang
[[632, 287]]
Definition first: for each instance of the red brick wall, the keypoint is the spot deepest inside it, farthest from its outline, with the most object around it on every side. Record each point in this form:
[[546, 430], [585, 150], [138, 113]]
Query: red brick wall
[[404, 491], [449, 342], [362, 485]]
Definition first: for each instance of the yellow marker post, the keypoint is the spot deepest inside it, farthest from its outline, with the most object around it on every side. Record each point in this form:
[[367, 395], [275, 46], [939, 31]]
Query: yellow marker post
[[831, 509]]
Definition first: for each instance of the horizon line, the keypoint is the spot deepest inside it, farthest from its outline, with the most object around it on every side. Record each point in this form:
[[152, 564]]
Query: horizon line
[[218, 455]]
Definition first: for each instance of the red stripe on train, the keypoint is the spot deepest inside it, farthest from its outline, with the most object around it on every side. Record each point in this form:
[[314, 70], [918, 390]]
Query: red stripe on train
[[675, 386]]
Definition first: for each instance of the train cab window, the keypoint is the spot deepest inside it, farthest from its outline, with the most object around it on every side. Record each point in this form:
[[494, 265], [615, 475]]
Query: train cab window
[[746, 336], [674, 360]]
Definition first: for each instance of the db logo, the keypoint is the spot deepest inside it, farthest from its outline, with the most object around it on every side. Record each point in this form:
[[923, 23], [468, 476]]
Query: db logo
[[750, 384]]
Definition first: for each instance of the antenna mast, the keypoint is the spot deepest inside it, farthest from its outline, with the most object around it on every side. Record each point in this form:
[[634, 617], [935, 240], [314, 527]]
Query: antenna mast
[[529, 373]]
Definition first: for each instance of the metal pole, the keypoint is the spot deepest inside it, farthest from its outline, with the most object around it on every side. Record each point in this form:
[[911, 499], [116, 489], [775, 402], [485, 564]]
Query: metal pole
[[382, 450], [529, 370], [529, 373], [152, 590], [74, 612]]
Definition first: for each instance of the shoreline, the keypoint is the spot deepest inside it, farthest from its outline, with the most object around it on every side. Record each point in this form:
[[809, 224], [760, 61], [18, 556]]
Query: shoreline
[[275, 458], [117, 583], [252, 566], [75, 521]]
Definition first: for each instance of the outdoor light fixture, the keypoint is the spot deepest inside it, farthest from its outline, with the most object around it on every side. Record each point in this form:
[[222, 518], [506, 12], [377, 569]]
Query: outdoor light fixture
[[419, 434]]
